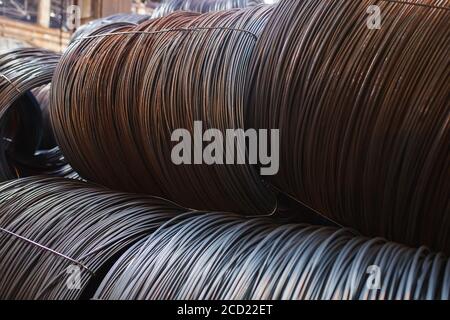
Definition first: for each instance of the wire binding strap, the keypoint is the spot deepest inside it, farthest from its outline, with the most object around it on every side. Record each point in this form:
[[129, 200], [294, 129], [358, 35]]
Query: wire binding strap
[[10, 82], [47, 249], [168, 30], [425, 5]]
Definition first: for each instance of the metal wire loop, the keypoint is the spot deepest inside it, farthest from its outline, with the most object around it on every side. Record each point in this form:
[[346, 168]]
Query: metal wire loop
[[167, 30], [40, 246], [10, 82]]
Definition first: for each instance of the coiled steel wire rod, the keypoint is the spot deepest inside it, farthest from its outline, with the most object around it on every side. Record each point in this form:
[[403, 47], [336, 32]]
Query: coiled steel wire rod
[[42, 95], [363, 113], [21, 126], [50, 227], [119, 93], [221, 257]]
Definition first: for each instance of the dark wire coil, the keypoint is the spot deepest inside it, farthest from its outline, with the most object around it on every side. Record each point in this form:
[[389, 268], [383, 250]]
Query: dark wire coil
[[119, 93], [21, 125], [70, 224], [363, 114], [224, 257], [42, 95], [48, 159], [19, 130], [202, 6]]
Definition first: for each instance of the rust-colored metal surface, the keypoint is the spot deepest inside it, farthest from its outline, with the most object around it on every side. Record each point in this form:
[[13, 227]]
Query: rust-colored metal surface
[[120, 93], [363, 113]]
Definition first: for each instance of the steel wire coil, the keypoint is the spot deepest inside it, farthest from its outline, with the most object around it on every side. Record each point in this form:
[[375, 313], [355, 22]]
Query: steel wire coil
[[20, 130], [48, 225], [42, 95], [48, 158], [119, 93], [224, 257], [363, 114], [21, 126], [202, 6]]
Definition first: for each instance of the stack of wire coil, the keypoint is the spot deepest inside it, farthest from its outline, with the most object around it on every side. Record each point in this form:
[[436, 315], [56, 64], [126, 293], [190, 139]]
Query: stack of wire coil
[[363, 115], [127, 246]]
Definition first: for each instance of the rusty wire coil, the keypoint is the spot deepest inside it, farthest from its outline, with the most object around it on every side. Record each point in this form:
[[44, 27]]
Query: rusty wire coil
[[202, 6], [225, 257], [49, 227], [363, 113], [21, 126], [119, 93]]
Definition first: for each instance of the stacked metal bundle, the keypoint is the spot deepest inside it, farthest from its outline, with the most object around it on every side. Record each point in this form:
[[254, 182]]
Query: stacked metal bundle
[[63, 239], [363, 115]]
